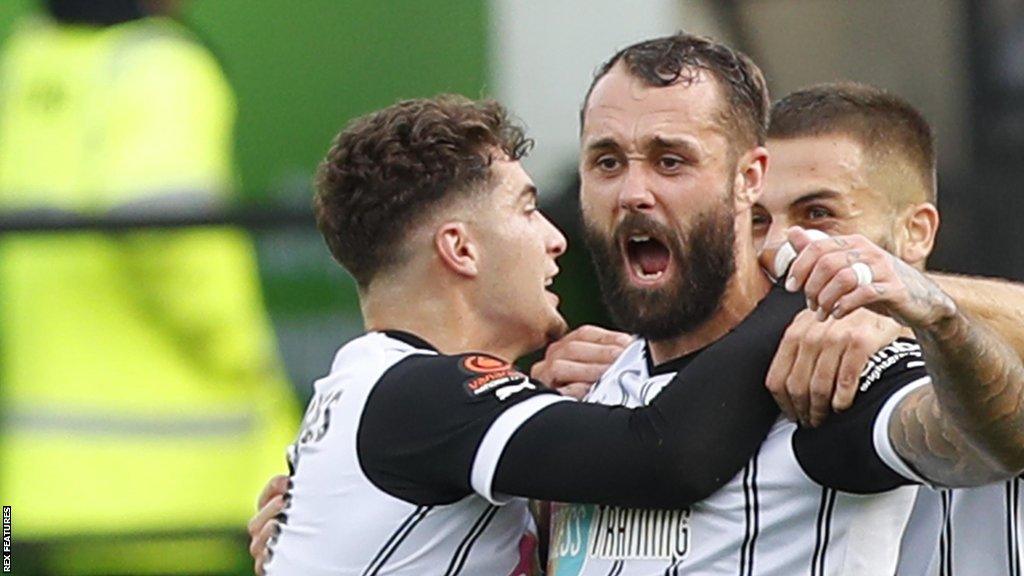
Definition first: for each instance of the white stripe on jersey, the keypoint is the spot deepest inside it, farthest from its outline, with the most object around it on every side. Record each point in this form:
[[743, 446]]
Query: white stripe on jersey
[[964, 532], [485, 464], [770, 520]]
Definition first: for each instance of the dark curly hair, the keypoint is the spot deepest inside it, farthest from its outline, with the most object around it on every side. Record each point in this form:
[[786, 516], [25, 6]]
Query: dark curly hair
[[680, 58], [389, 168], [882, 123]]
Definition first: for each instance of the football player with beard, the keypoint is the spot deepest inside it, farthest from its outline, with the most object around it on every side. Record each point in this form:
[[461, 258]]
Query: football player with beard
[[672, 164]]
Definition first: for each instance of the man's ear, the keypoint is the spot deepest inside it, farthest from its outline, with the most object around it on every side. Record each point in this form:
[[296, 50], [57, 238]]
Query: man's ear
[[749, 182], [457, 249], [915, 233]]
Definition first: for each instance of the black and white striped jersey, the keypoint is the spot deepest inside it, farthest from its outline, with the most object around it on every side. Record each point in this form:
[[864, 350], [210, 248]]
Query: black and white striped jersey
[[368, 496], [965, 532], [828, 501], [405, 454]]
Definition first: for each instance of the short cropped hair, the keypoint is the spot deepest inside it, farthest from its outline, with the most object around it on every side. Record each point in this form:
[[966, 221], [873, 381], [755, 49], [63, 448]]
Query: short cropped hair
[[680, 58], [882, 123], [388, 169]]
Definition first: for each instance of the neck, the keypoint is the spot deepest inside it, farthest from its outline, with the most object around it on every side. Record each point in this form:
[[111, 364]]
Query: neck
[[444, 318], [745, 289]]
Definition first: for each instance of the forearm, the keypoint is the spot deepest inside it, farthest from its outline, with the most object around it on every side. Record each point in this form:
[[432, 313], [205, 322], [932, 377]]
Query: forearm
[[997, 303], [638, 458], [695, 435], [968, 428]]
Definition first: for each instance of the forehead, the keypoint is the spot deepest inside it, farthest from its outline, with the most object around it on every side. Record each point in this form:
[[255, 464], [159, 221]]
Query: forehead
[[509, 178], [809, 164], [625, 108]]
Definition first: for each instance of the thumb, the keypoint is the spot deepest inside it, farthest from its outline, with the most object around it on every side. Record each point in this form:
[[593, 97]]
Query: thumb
[[798, 238]]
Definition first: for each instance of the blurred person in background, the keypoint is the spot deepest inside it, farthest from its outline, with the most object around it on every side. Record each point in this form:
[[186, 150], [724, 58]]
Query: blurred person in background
[[143, 400]]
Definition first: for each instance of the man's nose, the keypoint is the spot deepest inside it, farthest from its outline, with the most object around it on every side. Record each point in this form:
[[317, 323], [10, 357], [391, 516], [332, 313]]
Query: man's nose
[[635, 194]]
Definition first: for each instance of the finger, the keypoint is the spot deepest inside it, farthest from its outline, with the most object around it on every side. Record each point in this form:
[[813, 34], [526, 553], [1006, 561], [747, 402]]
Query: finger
[[825, 269], [598, 335], [779, 370], [823, 381], [590, 352], [575, 390], [277, 485], [269, 511], [808, 254], [862, 297], [848, 376], [259, 548], [844, 282], [540, 372], [798, 382], [561, 372]]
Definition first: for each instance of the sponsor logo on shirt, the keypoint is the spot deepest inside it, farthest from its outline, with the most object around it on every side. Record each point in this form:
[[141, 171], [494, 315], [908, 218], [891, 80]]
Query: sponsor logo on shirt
[[480, 364], [885, 359], [492, 374], [613, 533], [631, 534]]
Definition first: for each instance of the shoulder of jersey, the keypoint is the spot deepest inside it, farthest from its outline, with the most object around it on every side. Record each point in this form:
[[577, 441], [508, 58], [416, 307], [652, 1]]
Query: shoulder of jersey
[[477, 373]]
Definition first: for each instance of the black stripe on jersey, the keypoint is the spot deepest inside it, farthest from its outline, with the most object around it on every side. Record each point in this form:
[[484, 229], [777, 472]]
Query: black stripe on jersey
[[1008, 508], [823, 531], [1016, 526], [397, 537], [462, 552], [617, 567], [1013, 526], [746, 520], [946, 538], [673, 568], [753, 516]]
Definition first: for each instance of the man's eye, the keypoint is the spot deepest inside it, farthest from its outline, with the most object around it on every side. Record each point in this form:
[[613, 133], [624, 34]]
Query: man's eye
[[608, 162], [671, 162], [818, 213], [762, 219]]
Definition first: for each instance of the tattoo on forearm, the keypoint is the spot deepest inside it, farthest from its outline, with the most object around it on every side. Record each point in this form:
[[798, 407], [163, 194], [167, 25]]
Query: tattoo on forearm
[[968, 427]]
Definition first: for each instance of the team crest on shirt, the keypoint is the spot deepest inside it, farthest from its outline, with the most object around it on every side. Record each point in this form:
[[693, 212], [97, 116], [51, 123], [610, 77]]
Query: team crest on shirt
[[490, 374]]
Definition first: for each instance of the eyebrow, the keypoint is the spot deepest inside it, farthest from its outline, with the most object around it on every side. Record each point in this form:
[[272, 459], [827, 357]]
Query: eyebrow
[[684, 144], [823, 194], [605, 143]]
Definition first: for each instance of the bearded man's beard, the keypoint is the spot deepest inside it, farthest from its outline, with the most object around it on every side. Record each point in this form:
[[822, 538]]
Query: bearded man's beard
[[703, 264]]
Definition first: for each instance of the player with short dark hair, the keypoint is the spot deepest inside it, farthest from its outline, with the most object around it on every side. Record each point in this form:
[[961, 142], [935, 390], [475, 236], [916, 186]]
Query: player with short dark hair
[[883, 123], [667, 195], [387, 170], [682, 58], [415, 445], [853, 158]]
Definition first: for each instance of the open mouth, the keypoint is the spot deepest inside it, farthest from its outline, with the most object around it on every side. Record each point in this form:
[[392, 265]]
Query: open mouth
[[647, 257], [547, 288]]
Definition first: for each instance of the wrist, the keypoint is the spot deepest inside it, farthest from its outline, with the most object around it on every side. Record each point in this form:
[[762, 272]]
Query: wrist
[[942, 325]]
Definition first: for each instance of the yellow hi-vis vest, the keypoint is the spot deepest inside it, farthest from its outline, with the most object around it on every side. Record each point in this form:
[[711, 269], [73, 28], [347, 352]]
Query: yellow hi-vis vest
[[140, 387]]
